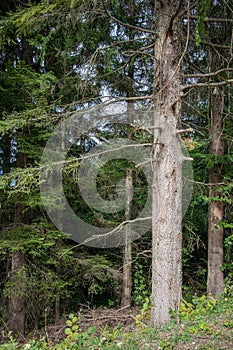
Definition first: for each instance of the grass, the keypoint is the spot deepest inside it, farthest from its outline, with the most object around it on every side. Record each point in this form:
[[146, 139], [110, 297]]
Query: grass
[[203, 324]]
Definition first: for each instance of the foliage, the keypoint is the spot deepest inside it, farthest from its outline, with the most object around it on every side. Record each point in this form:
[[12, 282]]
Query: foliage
[[203, 10], [78, 338], [212, 321], [59, 56], [141, 284]]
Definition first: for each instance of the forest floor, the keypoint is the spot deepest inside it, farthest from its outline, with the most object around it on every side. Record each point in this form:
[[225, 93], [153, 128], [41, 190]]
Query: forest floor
[[203, 324]]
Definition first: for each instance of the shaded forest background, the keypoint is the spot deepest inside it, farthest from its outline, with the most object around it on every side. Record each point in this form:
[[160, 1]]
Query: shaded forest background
[[58, 57]]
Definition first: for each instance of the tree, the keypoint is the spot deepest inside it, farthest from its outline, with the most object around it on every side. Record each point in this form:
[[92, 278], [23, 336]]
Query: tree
[[216, 206], [167, 160], [127, 249], [35, 74], [219, 59], [213, 41]]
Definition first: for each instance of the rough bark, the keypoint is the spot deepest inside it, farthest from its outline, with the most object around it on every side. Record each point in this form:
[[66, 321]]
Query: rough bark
[[27, 52], [16, 307], [57, 306], [16, 316], [127, 250], [167, 182], [58, 296], [216, 207]]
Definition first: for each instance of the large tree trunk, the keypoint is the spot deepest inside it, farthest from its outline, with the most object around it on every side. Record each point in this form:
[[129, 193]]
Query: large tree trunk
[[215, 214], [127, 250], [167, 182]]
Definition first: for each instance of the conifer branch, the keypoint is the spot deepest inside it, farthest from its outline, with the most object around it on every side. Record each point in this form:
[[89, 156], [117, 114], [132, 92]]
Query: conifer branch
[[144, 30]]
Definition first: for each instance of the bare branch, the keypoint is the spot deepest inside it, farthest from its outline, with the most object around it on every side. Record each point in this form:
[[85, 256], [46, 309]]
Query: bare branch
[[23, 3], [188, 159], [226, 47], [211, 20], [137, 256], [181, 131], [204, 75], [104, 235], [220, 83], [206, 183], [67, 161], [144, 30], [133, 98], [139, 165]]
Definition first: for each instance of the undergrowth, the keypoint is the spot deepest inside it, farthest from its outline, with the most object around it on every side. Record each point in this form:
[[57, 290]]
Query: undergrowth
[[203, 323]]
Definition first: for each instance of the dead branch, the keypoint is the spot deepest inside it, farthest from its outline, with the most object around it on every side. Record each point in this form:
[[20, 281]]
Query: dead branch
[[181, 131], [204, 75], [225, 47], [211, 20], [219, 83], [144, 30]]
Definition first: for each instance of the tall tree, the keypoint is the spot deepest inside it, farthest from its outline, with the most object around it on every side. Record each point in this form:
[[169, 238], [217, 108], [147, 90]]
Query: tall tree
[[210, 60], [16, 309], [127, 249], [39, 74], [216, 206], [220, 59], [167, 160], [214, 30]]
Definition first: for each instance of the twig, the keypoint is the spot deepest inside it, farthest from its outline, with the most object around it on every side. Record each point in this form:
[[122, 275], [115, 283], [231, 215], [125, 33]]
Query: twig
[[220, 83], [123, 308], [212, 20], [203, 75], [104, 235], [181, 131], [144, 30]]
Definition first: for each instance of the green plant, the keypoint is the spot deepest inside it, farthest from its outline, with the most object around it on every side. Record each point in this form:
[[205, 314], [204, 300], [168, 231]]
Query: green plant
[[141, 290], [142, 318], [36, 345], [11, 344], [71, 330], [197, 306], [164, 344], [228, 324], [78, 339]]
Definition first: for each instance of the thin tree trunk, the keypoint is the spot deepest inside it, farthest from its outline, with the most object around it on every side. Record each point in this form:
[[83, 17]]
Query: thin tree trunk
[[27, 52], [127, 250], [16, 316], [167, 181], [58, 268], [16, 307], [216, 207], [58, 301]]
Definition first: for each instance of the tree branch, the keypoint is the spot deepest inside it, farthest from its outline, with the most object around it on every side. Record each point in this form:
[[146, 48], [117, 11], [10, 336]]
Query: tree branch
[[220, 83], [104, 235], [211, 20], [226, 47], [204, 75], [181, 131], [144, 30], [23, 3]]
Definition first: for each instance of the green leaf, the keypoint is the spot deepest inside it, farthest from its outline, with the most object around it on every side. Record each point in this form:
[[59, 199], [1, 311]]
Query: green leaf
[[68, 331]]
